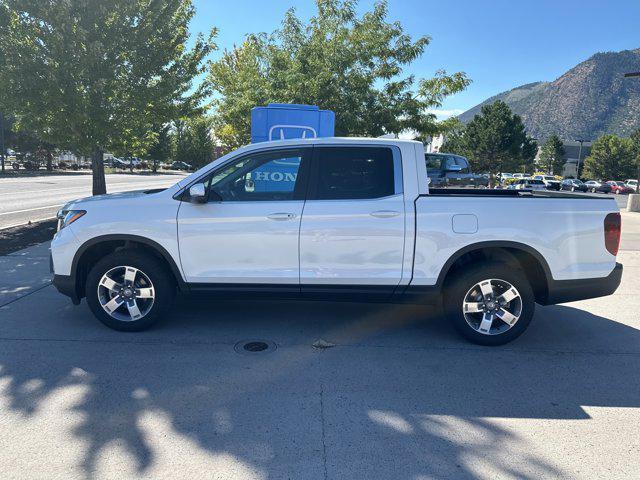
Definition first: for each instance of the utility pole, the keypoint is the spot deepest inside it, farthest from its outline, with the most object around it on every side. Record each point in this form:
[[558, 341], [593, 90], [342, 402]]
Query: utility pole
[[2, 139]]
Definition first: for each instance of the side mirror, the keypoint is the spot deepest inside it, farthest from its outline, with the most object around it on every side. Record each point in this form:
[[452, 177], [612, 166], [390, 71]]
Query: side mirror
[[198, 193], [454, 168]]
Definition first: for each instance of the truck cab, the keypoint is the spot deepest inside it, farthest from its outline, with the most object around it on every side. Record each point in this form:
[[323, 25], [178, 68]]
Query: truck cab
[[449, 170]]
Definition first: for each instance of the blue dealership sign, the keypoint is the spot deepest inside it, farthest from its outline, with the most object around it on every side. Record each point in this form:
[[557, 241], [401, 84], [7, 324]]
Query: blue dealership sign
[[282, 121]]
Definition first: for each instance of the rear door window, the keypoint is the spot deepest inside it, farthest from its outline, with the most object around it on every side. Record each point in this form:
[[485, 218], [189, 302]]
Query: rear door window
[[344, 173]]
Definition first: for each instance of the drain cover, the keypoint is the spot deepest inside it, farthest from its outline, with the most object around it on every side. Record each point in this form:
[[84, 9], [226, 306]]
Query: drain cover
[[254, 346]]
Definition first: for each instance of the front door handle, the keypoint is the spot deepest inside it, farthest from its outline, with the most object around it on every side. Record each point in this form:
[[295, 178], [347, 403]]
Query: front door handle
[[385, 213], [281, 216]]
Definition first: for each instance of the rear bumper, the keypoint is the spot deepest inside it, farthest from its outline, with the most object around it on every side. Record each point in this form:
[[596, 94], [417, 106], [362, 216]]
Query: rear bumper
[[561, 291], [66, 285]]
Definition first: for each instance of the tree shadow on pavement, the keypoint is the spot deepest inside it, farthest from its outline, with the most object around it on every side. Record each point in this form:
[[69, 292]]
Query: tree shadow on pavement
[[396, 398]]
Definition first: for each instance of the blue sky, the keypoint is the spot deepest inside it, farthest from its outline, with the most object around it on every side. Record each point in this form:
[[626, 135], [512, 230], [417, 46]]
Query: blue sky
[[500, 44]]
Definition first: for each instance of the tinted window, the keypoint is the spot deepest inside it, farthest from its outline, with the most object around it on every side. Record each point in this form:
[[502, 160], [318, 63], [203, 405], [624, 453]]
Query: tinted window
[[433, 161], [264, 176], [354, 173]]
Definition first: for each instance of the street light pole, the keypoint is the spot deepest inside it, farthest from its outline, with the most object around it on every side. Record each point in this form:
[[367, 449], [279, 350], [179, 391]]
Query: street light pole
[[627, 75]]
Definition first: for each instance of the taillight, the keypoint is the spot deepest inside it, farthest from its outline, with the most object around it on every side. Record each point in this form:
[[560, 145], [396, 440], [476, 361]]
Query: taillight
[[612, 228]]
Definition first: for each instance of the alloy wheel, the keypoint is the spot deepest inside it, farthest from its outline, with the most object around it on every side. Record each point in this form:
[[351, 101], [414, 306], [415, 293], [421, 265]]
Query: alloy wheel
[[126, 293], [492, 306]]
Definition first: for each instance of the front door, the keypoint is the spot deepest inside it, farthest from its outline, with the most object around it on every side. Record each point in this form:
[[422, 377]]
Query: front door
[[247, 233], [353, 225]]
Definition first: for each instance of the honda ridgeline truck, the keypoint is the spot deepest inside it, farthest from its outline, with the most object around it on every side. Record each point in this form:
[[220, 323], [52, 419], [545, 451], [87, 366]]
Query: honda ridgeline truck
[[344, 218]]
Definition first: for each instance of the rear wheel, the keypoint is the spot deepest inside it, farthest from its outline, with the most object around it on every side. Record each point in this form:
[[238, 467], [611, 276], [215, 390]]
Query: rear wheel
[[489, 303], [129, 290]]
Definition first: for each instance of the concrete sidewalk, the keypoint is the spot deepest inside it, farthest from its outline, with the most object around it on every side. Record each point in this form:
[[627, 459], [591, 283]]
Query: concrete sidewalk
[[400, 395]]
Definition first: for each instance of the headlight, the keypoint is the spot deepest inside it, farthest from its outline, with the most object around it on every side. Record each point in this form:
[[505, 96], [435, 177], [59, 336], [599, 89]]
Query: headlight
[[67, 217]]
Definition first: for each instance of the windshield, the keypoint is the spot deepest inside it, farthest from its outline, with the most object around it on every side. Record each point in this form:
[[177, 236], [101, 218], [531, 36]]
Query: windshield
[[549, 177]]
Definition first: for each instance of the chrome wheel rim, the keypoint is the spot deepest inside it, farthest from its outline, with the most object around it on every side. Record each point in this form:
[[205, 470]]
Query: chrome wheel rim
[[126, 293], [492, 306]]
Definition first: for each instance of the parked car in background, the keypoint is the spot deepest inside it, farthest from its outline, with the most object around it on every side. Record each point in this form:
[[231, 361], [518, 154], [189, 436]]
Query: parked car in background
[[530, 184], [619, 187], [633, 184], [519, 175], [573, 185], [504, 176], [180, 166], [550, 182], [598, 187], [448, 170]]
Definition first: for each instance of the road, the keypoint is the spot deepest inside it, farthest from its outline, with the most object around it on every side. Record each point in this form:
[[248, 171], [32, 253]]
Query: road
[[398, 396], [33, 198]]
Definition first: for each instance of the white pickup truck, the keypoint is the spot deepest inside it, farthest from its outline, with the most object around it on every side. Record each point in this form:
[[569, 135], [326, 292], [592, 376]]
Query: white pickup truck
[[337, 218]]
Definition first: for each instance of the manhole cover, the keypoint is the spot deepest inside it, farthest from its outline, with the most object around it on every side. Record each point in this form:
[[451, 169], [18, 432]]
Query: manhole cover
[[254, 346]]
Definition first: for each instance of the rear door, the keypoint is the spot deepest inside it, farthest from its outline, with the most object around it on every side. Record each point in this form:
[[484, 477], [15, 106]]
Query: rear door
[[353, 224]]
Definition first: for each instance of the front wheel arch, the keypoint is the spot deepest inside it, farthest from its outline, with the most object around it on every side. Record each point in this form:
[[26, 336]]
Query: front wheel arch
[[97, 248]]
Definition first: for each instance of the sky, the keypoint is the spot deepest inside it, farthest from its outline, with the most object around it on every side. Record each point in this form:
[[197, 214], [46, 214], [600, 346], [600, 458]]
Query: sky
[[500, 44]]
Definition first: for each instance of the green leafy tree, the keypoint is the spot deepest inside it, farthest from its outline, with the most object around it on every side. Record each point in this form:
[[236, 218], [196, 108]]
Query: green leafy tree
[[337, 60], [163, 147], [194, 143], [611, 158], [552, 155], [495, 141], [90, 76]]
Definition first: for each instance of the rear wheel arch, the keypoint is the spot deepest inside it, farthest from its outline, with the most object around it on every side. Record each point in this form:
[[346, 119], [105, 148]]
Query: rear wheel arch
[[97, 248], [521, 256]]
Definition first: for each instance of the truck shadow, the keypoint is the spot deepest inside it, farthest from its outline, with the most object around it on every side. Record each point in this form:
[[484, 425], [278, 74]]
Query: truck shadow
[[397, 397]]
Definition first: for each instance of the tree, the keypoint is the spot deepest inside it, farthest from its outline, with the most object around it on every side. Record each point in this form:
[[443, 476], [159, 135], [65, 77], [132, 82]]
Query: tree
[[552, 155], [340, 61], [194, 143], [162, 149], [495, 141], [92, 75], [611, 158]]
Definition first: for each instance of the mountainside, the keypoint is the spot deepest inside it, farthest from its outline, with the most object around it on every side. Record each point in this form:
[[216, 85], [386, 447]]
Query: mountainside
[[590, 99]]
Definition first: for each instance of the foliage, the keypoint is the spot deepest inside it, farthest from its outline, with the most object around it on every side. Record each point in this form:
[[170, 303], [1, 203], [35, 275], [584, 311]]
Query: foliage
[[494, 141], [193, 140], [96, 76], [340, 61], [611, 158], [552, 155], [163, 147]]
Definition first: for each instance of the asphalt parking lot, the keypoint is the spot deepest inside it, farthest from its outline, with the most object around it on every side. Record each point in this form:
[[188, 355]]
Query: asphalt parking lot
[[32, 197], [398, 396]]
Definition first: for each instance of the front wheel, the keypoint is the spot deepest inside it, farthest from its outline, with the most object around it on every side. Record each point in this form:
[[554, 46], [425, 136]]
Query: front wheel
[[490, 303], [129, 290]]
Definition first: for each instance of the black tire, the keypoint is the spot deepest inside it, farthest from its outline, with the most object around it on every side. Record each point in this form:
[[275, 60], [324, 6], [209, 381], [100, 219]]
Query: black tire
[[154, 269], [463, 280]]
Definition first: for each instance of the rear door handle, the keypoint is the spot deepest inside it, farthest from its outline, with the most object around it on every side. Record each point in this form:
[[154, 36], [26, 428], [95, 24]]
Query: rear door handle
[[281, 216], [385, 213]]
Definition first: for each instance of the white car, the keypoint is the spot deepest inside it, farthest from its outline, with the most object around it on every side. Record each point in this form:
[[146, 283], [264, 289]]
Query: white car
[[336, 218], [632, 184], [530, 184], [550, 182]]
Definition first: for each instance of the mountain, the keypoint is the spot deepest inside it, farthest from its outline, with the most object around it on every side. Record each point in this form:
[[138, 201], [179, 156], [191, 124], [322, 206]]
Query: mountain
[[590, 99]]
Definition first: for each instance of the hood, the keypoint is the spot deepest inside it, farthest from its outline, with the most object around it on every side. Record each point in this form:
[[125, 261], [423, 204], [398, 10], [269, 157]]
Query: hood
[[109, 197]]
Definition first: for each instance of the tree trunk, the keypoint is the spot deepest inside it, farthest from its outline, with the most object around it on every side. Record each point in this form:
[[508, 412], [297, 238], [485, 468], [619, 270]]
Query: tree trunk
[[49, 161], [97, 165]]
